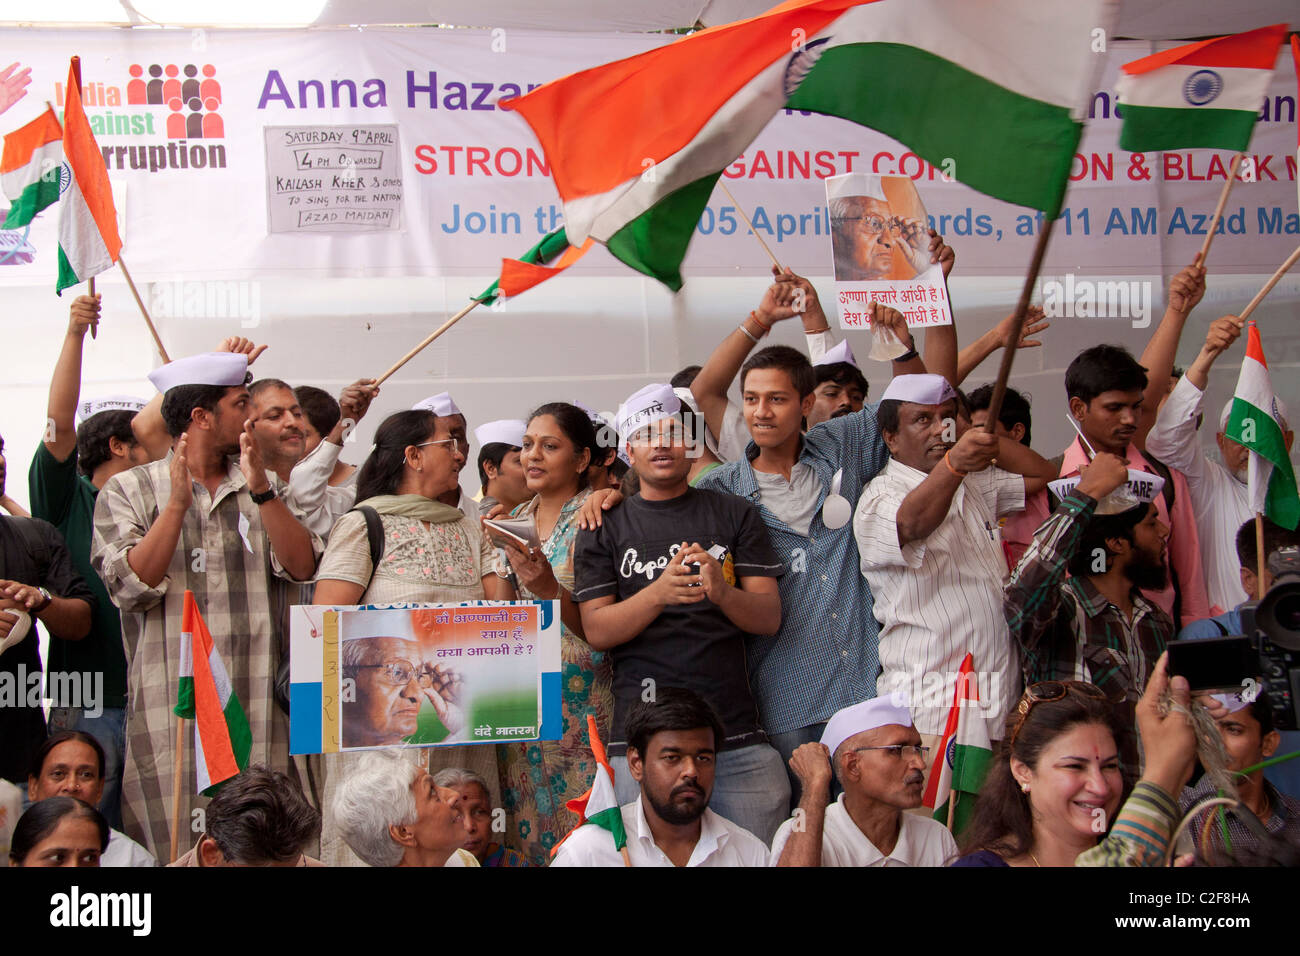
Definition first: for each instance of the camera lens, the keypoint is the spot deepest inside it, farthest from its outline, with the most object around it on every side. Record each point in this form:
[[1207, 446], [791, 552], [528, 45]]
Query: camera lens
[[1287, 612]]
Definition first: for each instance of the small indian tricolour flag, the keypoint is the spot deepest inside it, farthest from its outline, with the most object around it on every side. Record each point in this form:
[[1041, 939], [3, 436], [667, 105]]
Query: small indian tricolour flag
[[222, 739], [88, 240], [551, 256], [1204, 94], [598, 806], [963, 758], [1254, 422], [29, 168]]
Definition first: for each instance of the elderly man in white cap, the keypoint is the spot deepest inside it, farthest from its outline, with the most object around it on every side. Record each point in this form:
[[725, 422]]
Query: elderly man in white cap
[[673, 584], [927, 534], [209, 519], [444, 406], [500, 471], [866, 234], [1219, 493], [879, 759], [86, 442]]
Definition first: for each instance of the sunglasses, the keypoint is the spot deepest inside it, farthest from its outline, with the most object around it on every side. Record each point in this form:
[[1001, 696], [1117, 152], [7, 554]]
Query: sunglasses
[[1049, 690]]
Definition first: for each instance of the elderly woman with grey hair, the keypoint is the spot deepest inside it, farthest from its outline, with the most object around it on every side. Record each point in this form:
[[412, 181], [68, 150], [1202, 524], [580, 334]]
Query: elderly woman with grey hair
[[391, 813], [475, 804]]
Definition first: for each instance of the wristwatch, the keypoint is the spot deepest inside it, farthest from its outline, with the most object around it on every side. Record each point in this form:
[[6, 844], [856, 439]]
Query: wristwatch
[[48, 600], [908, 355], [264, 497]]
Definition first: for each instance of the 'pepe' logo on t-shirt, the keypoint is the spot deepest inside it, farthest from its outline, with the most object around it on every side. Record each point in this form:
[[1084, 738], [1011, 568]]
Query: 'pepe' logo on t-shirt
[[632, 566]]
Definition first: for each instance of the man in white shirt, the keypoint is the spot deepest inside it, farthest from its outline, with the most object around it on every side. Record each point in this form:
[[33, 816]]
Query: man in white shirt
[[672, 744], [928, 538], [1220, 497], [880, 762]]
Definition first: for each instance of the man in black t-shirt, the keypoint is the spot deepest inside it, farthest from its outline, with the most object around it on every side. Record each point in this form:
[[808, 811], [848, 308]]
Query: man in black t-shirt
[[671, 585]]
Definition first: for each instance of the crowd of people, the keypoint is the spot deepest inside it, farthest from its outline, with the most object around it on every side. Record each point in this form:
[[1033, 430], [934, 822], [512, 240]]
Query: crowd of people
[[764, 611]]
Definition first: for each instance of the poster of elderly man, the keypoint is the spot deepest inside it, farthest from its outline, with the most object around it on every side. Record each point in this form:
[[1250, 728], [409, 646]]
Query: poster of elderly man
[[421, 675], [880, 239]]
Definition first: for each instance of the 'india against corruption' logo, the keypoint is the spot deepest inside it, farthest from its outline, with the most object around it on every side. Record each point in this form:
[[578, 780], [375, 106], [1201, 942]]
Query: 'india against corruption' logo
[[1203, 86]]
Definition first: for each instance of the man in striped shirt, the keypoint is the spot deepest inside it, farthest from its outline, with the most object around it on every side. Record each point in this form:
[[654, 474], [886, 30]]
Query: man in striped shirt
[[926, 529], [1096, 626]]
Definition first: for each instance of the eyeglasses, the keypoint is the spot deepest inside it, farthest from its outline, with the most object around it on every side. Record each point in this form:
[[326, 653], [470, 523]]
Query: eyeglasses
[[440, 441], [1049, 690], [399, 673], [900, 750], [873, 223]]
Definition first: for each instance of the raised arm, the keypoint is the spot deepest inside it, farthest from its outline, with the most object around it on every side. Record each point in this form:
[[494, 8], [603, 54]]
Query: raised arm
[[999, 337], [941, 340], [291, 542], [788, 296], [65, 385], [1185, 290], [927, 504], [811, 763]]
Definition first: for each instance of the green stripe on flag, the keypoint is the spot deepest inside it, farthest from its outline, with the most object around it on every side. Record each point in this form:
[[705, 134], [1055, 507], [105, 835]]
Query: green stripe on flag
[[1151, 128], [548, 248], [1256, 429], [35, 197], [1003, 143], [184, 698], [66, 276], [655, 242], [611, 819]]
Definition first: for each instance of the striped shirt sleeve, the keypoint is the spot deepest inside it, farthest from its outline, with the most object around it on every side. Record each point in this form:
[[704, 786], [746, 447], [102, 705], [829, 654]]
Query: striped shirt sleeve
[[1140, 836], [1033, 594], [119, 527]]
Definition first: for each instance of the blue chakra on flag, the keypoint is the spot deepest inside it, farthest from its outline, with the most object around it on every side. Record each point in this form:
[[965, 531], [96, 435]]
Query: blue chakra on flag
[[1203, 86], [65, 178], [801, 64], [950, 752]]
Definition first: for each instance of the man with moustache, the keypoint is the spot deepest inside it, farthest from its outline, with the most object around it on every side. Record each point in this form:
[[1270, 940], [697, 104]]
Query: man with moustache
[[880, 762], [279, 425], [926, 529], [866, 234], [210, 518], [841, 386], [1097, 625], [672, 742]]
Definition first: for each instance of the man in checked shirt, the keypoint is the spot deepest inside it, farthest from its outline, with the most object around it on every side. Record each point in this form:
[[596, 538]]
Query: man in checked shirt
[[1096, 626]]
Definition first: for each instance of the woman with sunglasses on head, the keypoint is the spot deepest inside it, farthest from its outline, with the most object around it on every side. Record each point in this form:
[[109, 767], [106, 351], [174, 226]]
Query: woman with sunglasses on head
[[1011, 828], [1054, 785], [560, 444], [431, 553]]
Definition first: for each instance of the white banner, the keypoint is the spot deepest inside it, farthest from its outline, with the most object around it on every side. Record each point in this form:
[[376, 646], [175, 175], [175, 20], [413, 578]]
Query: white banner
[[183, 116]]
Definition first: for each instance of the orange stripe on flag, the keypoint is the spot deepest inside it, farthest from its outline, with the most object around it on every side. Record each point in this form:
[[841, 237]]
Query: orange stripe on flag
[[1255, 49], [87, 163], [1254, 347], [22, 142], [211, 720], [517, 277], [608, 120]]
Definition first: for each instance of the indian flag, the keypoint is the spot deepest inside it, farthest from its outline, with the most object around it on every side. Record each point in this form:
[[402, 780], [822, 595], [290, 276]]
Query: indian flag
[[222, 739], [551, 256], [964, 755], [88, 240], [991, 90], [598, 806], [1204, 94], [1253, 422], [29, 168]]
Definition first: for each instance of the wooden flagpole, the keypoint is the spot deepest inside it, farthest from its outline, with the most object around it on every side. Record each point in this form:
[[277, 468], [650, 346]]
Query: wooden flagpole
[[750, 226], [143, 311], [94, 326], [1009, 354], [178, 764], [437, 332], [1218, 210], [1268, 286]]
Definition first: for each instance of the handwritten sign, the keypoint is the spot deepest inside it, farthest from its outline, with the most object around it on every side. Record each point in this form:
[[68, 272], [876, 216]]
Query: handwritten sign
[[333, 179]]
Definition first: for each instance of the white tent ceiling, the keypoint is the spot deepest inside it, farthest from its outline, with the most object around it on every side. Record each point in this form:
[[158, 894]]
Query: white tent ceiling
[[1142, 19]]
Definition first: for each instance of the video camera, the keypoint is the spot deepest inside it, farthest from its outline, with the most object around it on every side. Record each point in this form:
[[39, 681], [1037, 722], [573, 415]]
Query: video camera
[[1266, 657]]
